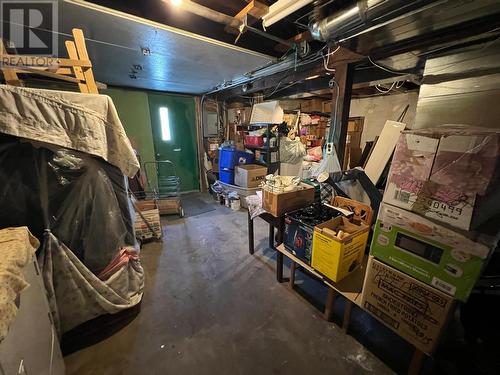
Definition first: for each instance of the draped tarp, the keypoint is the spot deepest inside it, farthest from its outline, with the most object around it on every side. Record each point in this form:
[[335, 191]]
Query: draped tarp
[[84, 122], [63, 161]]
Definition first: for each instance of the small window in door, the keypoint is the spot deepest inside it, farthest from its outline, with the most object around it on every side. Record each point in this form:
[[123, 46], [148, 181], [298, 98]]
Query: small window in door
[[166, 134]]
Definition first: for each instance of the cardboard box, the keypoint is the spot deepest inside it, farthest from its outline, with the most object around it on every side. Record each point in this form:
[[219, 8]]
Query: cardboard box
[[430, 252], [249, 176], [279, 203], [313, 105], [327, 106], [413, 310], [336, 258], [150, 211], [440, 172]]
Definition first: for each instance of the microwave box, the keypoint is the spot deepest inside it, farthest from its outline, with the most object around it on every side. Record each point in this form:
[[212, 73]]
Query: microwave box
[[279, 203], [336, 258], [412, 309], [430, 252], [444, 173], [250, 175]]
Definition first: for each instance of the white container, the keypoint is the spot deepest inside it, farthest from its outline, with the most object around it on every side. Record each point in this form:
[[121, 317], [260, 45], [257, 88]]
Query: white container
[[235, 204]]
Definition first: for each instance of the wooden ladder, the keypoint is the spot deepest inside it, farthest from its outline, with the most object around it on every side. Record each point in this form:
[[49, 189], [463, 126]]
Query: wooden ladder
[[75, 69]]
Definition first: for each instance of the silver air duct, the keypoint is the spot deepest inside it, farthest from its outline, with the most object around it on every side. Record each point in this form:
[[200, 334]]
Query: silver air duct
[[362, 15]]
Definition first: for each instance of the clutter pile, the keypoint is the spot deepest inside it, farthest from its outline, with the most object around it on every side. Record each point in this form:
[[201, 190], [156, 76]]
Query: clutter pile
[[432, 238]]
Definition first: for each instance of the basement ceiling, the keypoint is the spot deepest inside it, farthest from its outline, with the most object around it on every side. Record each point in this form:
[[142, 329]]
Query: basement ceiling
[[130, 51]]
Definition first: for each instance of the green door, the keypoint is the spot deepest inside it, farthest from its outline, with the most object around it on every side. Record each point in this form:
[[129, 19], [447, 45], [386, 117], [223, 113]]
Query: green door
[[173, 123]]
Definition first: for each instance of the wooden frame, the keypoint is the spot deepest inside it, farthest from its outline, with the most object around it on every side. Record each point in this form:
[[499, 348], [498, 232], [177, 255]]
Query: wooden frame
[[75, 69]]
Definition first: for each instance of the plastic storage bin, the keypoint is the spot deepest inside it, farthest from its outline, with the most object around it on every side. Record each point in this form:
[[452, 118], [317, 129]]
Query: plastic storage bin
[[243, 157], [227, 176], [254, 141], [226, 158], [229, 157]]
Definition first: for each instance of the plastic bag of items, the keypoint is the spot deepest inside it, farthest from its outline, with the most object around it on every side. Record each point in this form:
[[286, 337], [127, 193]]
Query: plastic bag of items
[[291, 151], [281, 184]]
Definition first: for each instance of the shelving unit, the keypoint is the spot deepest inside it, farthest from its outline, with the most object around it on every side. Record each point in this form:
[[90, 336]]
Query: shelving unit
[[272, 166]]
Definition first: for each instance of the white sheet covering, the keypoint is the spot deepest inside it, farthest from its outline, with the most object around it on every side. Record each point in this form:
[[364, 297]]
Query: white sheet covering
[[17, 247], [85, 122], [76, 295]]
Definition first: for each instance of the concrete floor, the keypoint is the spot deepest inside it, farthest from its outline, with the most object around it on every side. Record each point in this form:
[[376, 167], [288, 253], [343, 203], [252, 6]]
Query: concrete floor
[[211, 308]]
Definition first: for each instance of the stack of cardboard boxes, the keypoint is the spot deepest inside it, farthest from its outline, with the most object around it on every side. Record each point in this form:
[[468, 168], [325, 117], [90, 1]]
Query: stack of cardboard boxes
[[426, 252]]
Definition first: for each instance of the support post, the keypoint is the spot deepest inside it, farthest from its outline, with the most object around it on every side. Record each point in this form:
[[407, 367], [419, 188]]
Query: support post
[[343, 76], [279, 266], [271, 235], [330, 299], [417, 360], [292, 274], [250, 235], [347, 315]]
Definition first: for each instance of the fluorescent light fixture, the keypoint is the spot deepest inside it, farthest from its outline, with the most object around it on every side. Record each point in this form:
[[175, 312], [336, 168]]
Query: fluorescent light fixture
[[281, 9], [312, 77], [166, 135], [176, 2]]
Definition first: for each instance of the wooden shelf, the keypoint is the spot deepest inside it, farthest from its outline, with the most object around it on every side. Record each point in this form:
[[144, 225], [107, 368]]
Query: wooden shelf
[[350, 287]]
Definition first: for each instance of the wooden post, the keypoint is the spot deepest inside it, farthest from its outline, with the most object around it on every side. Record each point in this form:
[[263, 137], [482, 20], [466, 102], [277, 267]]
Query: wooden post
[[271, 236], [279, 266], [343, 77], [347, 315], [330, 299], [417, 360], [250, 235]]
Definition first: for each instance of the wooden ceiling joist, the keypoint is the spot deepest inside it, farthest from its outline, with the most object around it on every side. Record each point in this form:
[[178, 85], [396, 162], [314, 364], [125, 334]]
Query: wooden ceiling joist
[[254, 8]]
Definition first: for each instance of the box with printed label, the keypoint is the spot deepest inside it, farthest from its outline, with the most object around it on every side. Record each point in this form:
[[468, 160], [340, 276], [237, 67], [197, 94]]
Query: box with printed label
[[413, 310], [440, 173], [250, 175], [430, 252], [338, 247], [279, 203]]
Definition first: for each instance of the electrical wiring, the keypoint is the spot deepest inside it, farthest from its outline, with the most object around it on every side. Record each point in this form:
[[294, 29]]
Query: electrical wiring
[[326, 59], [386, 69], [390, 88]]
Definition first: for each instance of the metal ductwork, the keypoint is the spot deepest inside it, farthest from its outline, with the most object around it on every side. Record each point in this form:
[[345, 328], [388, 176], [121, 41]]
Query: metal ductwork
[[362, 15]]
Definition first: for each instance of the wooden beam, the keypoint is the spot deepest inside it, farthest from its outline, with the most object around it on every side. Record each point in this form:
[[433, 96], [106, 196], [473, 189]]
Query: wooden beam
[[77, 70], [254, 8], [46, 74], [83, 54], [304, 36], [9, 75], [343, 76]]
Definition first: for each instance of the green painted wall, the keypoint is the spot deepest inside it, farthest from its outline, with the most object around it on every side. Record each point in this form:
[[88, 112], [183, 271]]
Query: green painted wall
[[133, 109]]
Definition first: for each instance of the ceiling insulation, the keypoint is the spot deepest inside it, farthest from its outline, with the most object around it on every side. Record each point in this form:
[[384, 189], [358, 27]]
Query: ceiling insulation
[[131, 51]]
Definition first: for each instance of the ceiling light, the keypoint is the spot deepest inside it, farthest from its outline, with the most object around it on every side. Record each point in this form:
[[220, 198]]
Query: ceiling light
[[281, 9], [312, 77], [176, 2]]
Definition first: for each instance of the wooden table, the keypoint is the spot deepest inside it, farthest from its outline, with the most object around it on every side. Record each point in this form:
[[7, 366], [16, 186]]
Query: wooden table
[[350, 287], [274, 222]]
